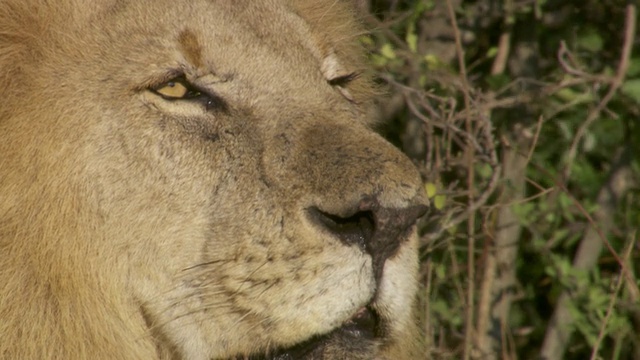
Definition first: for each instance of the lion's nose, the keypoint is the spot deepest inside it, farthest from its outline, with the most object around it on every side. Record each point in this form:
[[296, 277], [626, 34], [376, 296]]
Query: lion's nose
[[373, 228]]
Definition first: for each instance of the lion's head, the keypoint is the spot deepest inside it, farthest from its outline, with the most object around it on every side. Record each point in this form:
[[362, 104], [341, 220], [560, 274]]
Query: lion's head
[[198, 180]]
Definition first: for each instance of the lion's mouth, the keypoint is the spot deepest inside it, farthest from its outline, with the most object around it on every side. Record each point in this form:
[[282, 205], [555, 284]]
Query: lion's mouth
[[359, 331], [363, 324]]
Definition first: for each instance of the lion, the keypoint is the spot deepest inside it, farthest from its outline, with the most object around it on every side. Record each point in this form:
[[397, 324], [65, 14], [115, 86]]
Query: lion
[[199, 180]]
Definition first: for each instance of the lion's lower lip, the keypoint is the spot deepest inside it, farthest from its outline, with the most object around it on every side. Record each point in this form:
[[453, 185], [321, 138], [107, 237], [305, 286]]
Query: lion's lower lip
[[363, 326]]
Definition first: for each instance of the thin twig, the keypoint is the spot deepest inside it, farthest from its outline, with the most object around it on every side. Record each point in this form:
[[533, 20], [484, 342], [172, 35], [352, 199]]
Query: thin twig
[[470, 179], [612, 302], [535, 139], [567, 62]]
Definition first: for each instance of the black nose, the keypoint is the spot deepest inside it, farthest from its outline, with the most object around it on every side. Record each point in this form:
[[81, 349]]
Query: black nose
[[375, 229]]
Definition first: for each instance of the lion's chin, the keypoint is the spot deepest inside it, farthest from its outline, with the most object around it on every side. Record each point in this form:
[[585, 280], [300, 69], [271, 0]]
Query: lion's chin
[[356, 336]]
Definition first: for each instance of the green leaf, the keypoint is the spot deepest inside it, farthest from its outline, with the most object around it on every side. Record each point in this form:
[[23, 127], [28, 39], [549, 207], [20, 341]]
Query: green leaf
[[439, 201], [440, 271], [366, 40], [379, 60], [491, 53], [569, 95], [431, 189], [634, 67], [524, 212], [589, 142], [412, 38], [591, 40], [387, 51], [412, 41], [484, 170], [423, 80], [631, 88], [433, 62]]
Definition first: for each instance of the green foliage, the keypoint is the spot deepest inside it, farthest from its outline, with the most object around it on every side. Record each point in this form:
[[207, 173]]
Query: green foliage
[[631, 88], [539, 105], [590, 40]]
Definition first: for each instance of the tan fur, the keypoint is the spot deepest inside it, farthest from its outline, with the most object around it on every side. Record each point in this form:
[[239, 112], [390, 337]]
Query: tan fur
[[133, 227]]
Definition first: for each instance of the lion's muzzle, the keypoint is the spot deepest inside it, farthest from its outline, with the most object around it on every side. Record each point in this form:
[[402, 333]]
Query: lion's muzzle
[[373, 228]]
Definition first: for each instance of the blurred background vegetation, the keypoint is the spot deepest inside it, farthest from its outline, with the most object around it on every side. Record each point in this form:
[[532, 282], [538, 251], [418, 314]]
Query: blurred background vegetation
[[524, 118]]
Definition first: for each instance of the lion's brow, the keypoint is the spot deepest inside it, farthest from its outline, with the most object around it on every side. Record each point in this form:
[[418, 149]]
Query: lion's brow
[[190, 47]]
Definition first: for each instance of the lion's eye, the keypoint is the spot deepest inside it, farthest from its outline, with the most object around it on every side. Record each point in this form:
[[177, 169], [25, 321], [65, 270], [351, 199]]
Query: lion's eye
[[179, 89], [176, 89], [343, 80]]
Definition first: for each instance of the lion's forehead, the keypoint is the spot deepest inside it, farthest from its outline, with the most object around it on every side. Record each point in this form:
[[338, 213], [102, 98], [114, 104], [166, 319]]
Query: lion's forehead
[[225, 35], [269, 48], [303, 37]]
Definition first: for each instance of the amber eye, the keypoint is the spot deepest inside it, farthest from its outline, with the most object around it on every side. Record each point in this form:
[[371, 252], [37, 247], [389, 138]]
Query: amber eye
[[176, 89]]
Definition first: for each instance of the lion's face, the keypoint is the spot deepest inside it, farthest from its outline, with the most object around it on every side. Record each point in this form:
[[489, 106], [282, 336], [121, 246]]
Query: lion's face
[[215, 166]]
